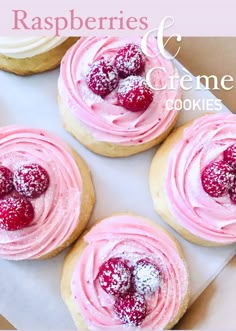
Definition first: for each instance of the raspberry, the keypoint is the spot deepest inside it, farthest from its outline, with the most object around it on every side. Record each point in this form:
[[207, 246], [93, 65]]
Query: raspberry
[[129, 60], [146, 277], [6, 181], [131, 309], [217, 178], [230, 155], [102, 77], [15, 213], [31, 180], [115, 276], [134, 94]]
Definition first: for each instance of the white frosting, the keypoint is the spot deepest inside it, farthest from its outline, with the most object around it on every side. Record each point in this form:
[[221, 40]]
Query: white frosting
[[23, 47]]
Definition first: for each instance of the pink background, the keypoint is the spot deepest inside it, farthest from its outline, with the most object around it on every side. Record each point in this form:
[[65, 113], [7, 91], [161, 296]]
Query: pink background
[[192, 18]]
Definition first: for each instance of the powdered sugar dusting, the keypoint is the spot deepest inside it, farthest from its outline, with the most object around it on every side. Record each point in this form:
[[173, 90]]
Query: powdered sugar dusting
[[15, 213], [102, 77], [134, 93], [147, 277], [115, 276], [31, 180], [132, 281], [217, 178], [129, 60], [131, 309]]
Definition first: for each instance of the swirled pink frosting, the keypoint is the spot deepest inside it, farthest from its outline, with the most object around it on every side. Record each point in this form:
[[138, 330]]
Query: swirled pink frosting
[[212, 219], [57, 210], [133, 238], [106, 120]]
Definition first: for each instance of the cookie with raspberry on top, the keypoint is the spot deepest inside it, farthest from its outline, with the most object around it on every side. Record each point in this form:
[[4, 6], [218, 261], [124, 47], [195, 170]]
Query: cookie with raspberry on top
[[126, 272], [193, 180], [46, 194], [107, 103]]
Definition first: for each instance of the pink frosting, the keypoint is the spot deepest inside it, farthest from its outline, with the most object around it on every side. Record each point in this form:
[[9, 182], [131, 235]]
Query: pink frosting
[[104, 117], [57, 210], [133, 238], [212, 219]]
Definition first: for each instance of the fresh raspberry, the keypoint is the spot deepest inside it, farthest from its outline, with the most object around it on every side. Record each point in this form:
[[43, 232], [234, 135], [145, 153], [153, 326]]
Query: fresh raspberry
[[15, 213], [102, 77], [115, 276], [131, 308], [134, 94], [6, 181], [31, 180], [230, 155], [129, 60], [146, 277], [217, 178]]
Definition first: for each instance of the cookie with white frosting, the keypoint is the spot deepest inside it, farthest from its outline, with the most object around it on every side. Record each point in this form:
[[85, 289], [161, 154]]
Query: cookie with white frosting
[[31, 55]]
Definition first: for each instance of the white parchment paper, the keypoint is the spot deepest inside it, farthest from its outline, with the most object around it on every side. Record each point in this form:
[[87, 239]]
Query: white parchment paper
[[30, 290]]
